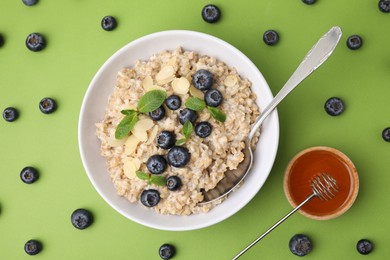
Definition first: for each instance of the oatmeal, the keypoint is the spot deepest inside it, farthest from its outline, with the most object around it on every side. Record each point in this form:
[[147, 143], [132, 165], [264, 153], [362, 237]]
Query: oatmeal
[[213, 145]]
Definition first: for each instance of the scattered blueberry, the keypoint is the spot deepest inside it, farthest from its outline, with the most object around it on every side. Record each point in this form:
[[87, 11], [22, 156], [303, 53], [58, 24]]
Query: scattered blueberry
[[386, 134], [35, 42], [203, 79], [213, 97], [384, 6], [173, 183], [10, 114], [334, 106], [187, 114], [211, 13], [178, 156], [150, 198], [300, 245], [354, 42], [271, 37], [157, 114], [203, 129], [364, 246], [309, 2], [166, 139], [32, 247], [109, 23], [173, 102], [156, 164], [81, 218], [29, 174], [30, 2], [47, 105], [167, 251], [1, 40]]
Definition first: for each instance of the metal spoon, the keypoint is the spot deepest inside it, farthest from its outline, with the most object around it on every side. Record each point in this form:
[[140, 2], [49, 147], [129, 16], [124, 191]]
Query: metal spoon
[[323, 187], [318, 54]]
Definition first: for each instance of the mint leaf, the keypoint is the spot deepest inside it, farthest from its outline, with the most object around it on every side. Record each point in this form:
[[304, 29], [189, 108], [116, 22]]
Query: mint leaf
[[142, 175], [217, 114], [151, 179], [181, 141], [196, 104], [151, 101], [126, 125], [158, 180], [128, 111], [187, 129]]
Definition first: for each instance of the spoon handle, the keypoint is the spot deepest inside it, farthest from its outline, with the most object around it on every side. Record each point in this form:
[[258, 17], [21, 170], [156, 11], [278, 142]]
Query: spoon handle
[[275, 225], [318, 54]]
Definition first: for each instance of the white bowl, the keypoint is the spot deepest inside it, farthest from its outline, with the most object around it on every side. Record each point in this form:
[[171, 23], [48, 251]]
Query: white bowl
[[94, 106]]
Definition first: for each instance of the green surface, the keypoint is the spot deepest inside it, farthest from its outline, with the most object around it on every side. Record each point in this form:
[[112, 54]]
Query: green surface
[[77, 47]]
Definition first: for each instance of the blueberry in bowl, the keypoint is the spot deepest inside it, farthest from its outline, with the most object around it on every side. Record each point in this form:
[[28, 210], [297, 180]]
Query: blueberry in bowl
[[166, 139], [173, 102], [203, 79], [156, 164], [178, 156]]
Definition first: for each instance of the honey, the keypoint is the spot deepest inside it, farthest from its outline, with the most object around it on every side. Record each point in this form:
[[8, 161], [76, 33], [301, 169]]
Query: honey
[[305, 166]]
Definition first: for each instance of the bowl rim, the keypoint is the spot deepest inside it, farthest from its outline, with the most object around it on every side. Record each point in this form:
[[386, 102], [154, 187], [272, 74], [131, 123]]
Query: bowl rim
[[353, 173], [273, 117]]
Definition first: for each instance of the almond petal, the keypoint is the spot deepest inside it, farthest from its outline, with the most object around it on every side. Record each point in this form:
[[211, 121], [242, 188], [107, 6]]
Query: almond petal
[[180, 85]]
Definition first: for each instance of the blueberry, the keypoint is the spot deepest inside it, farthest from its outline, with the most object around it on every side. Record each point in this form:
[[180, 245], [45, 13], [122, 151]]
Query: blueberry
[[178, 156], [213, 97], [187, 114], [334, 106], [47, 105], [10, 114], [81, 218], [156, 164], [173, 183], [32, 247], [29, 175], [173, 102], [354, 42], [211, 13], [109, 23], [1, 40], [35, 42], [157, 114], [309, 2], [30, 2], [150, 198], [203, 129], [386, 134], [364, 246], [271, 37], [384, 6], [167, 251], [300, 245], [166, 139], [203, 79]]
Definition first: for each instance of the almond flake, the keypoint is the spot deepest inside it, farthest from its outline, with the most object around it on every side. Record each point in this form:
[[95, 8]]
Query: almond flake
[[153, 87], [196, 92], [147, 82], [230, 81], [141, 127], [129, 168], [131, 144], [166, 75], [152, 134], [180, 85]]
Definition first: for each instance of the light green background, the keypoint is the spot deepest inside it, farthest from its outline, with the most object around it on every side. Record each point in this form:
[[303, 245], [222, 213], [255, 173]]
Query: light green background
[[77, 47]]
